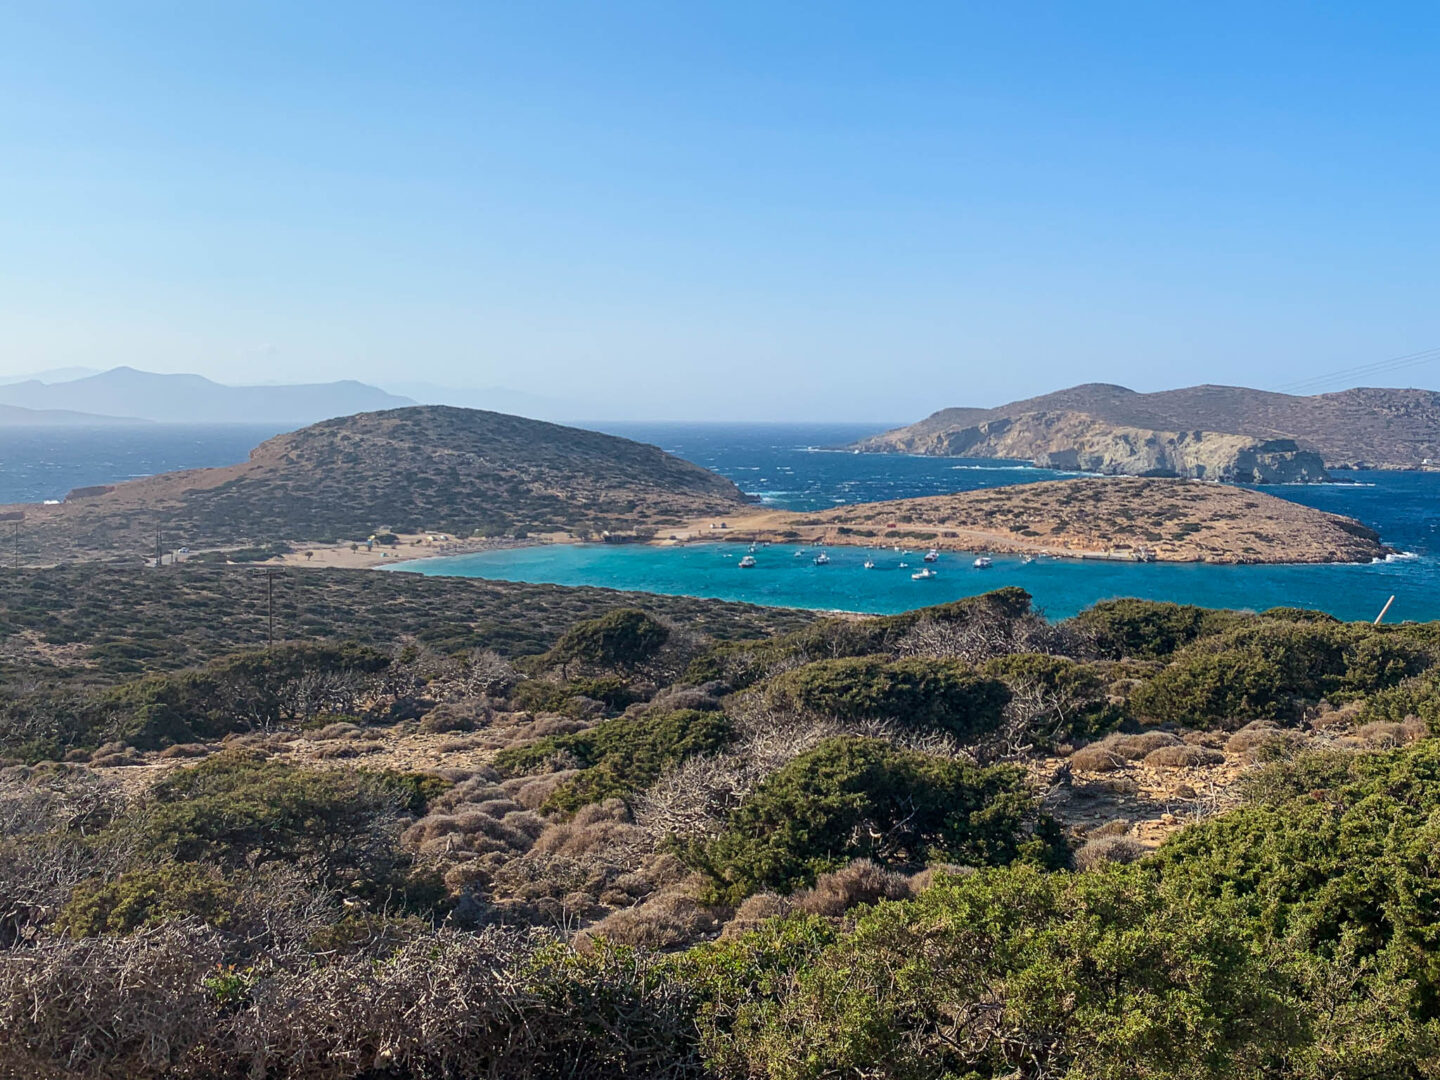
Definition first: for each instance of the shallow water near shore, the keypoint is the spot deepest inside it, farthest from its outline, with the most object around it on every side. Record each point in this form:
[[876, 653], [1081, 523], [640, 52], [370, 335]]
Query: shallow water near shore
[[1060, 586], [783, 465]]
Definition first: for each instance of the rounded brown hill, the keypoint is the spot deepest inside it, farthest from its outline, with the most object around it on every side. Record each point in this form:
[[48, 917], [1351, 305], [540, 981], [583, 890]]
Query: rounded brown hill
[[1119, 517], [421, 468]]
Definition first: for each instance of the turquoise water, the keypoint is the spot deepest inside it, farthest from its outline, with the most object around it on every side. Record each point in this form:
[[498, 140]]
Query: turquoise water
[[784, 465], [1061, 587]]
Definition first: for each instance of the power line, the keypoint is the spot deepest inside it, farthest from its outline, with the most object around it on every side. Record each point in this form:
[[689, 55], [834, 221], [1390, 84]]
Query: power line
[[1362, 371]]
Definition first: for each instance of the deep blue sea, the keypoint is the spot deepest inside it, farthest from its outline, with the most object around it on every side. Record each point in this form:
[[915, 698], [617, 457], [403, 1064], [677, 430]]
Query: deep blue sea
[[788, 466], [44, 463]]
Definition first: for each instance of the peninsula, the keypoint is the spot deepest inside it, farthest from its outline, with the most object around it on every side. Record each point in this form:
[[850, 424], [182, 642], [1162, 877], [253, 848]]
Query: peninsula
[[465, 472], [1165, 520], [1225, 433]]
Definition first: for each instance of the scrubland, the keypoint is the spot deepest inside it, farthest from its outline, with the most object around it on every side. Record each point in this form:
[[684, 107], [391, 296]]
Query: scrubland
[[512, 831]]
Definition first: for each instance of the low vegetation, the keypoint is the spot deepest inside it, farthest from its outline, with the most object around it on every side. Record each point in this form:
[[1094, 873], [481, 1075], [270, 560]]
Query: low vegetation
[[467, 829]]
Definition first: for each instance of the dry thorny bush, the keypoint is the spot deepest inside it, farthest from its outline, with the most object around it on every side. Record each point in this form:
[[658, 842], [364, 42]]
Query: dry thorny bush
[[493, 1003], [985, 634]]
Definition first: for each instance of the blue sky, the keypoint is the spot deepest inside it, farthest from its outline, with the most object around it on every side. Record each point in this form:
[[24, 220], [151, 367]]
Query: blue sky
[[799, 211]]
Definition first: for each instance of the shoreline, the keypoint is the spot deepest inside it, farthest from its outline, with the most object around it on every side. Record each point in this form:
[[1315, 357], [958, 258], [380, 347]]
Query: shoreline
[[1037, 554]]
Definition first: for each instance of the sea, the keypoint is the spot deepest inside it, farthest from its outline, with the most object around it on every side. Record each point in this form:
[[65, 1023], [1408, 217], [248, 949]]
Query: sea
[[47, 462], [798, 467]]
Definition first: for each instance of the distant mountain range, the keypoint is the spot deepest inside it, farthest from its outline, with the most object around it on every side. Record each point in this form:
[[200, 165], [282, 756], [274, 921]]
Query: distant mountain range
[[126, 393], [64, 374], [1215, 432]]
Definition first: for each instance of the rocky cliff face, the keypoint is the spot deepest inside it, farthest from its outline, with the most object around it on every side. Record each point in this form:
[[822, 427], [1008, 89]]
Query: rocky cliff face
[[1078, 442], [1367, 427]]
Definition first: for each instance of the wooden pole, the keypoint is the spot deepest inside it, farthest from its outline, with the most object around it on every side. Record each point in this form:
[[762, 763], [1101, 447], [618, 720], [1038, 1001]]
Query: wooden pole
[[270, 605]]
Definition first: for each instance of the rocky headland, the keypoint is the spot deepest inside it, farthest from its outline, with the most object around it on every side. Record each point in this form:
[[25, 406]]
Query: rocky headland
[[1148, 519], [1224, 433], [464, 472]]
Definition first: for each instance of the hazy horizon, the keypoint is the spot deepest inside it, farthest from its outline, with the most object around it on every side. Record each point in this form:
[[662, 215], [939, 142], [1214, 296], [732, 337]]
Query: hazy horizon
[[820, 214]]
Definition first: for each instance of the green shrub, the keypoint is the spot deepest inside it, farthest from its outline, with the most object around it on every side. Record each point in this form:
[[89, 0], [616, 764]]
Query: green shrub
[[147, 896], [945, 695], [855, 798], [1272, 670], [619, 756], [1150, 629], [621, 639], [1417, 696], [415, 790], [1335, 856], [1005, 973], [541, 695], [236, 810], [236, 693]]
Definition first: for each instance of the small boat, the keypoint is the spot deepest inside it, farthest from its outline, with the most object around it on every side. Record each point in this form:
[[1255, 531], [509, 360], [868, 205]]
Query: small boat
[[932, 555], [1028, 559], [983, 563], [753, 549], [921, 575], [904, 565], [869, 564], [800, 553], [747, 562], [822, 559]]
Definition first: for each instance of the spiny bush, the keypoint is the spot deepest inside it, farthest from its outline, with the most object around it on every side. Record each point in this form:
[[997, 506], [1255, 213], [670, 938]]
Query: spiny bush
[[620, 640], [1060, 699], [1272, 670], [286, 685], [1149, 629], [235, 810], [495, 1003], [944, 695], [1098, 757], [620, 756], [862, 882], [148, 896], [1102, 975], [855, 798], [1183, 757], [740, 664], [1101, 850]]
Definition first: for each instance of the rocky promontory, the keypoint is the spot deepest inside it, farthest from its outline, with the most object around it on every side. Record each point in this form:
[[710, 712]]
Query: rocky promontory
[[1225, 433], [463, 472], [1076, 442], [1145, 519]]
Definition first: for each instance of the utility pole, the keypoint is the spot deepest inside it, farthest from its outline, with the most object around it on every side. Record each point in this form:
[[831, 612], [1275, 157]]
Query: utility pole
[[159, 559], [270, 606]]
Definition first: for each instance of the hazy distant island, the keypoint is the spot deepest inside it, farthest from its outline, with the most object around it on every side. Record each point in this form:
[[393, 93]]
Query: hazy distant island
[[14, 416], [1226, 433], [128, 394], [1149, 519]]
